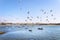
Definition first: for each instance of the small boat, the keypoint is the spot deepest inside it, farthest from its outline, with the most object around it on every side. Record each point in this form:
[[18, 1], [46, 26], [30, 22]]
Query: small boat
[[2, 32]]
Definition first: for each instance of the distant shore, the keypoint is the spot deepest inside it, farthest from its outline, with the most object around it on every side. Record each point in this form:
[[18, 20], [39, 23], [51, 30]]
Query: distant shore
[[29, 24]]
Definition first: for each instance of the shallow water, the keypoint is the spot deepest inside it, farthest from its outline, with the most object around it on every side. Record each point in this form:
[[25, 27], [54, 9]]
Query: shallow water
[[49, 32]]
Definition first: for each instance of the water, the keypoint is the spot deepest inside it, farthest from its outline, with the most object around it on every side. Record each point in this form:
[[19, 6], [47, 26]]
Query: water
[[30, 32]]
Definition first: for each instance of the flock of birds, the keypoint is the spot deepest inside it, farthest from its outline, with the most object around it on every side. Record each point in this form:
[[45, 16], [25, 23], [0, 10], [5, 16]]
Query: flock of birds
[[30, 18]]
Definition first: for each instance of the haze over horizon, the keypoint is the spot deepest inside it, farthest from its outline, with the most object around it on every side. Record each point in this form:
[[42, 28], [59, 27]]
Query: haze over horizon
[[16, 11]]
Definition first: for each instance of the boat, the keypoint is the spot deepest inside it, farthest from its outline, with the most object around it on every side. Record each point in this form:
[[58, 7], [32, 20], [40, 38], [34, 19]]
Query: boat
[[2, 32]]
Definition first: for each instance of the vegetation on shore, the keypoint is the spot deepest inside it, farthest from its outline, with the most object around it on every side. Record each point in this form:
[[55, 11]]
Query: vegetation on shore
[[29, 23]]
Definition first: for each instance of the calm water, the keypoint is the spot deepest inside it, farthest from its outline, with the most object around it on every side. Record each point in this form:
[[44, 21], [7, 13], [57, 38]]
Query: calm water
[[30, 32]]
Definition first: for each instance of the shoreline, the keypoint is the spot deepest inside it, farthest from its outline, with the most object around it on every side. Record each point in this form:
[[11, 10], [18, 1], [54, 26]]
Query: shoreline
[[15, 24]]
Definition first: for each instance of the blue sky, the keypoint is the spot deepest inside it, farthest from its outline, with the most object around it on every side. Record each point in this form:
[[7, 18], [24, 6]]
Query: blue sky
[[16, 10]]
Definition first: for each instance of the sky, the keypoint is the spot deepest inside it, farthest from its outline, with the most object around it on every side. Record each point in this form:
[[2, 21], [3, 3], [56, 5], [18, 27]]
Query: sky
[[17, 11]]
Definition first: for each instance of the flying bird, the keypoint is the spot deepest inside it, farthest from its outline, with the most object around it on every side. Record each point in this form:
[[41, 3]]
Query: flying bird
[[51, 14], [38, 17], [28, 12], [42, 10], [50, 10], [27, 17]]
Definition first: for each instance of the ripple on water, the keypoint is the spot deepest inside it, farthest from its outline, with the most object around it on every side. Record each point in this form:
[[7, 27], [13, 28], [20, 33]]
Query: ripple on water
[[32, 32]]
